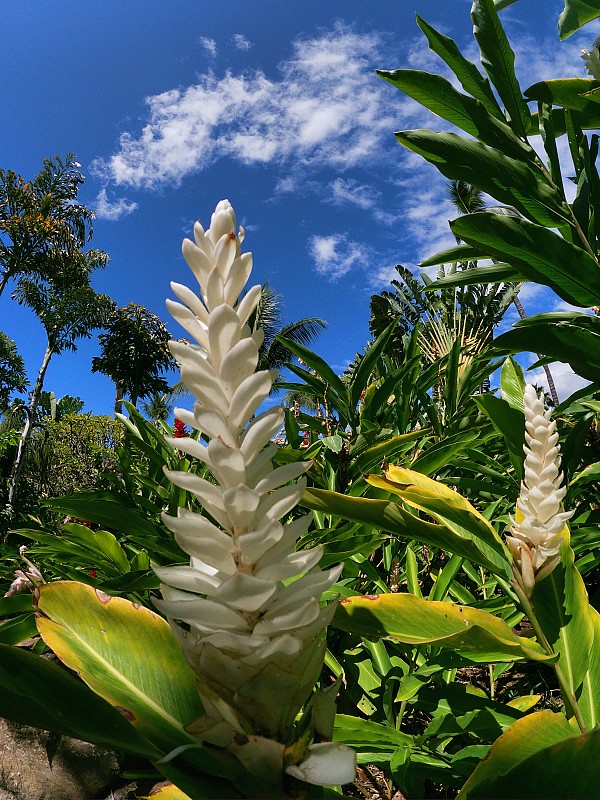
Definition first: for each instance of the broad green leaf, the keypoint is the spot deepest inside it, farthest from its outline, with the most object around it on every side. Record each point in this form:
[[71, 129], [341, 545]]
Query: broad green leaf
[[386, 515], [498, 60], [454, 255], [125, 653], [439, 96], [509, 181], [374, 742], [512, 384], [536, 252], [445, 505], [467, 73], [128, 655], [367, 363], [562, 609], [575, 14], [16, 630], [15, 604], [540, 756], [565, 92], [367, 458], [469, 632], [570, 337], [36, 692], [444, 451], [589, 696], [114, 513], [493, 273], [509, 422]]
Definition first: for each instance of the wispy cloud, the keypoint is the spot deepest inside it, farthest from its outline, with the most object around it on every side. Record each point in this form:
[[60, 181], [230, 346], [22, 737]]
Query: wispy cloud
[[112, 210], [334, 256], [327, 108], [240, 42], [209, 45]]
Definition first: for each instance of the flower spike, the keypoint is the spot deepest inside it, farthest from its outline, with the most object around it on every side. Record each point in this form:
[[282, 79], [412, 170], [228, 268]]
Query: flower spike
[[253, 625], [536, 533]]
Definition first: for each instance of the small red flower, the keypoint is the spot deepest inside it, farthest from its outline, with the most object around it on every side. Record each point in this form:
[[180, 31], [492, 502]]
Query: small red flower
[[179, 429], [93, 573]]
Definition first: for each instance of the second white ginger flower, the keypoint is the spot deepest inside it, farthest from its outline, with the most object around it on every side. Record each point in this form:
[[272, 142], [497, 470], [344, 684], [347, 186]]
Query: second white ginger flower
[[535, 536]]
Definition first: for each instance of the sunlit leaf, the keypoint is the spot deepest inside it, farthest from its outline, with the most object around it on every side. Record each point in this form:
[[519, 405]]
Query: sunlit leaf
[[470, 632]]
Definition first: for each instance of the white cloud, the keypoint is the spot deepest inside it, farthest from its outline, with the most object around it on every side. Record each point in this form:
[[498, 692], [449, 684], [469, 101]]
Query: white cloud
[[112, 210], [327, 108], [209, 45], [240, 42], [336, 255], [351, 192], [566, 381]]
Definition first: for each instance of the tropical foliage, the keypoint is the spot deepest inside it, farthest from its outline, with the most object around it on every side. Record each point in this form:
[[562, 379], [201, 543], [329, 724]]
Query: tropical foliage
[[434, 617]]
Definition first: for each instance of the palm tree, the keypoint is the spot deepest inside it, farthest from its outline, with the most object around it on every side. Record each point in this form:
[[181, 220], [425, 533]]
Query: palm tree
[[469, 200], [42, 226], [67, 312], [134, 353], [273, 354]]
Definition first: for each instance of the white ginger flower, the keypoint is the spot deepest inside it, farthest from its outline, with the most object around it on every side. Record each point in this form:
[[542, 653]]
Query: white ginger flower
[[250, 603], [29, 578], [536, 534], [592, 60]]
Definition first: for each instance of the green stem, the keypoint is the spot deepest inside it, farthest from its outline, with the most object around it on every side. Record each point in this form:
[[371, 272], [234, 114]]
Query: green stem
[[568, 696]]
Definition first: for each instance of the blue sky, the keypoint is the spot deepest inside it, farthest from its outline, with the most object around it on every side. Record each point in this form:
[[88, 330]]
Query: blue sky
[[273, 104]]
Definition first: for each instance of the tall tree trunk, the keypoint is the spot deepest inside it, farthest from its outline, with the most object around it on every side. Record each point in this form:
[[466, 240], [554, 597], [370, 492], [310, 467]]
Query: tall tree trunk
[[27, 430], [549, 378], [118, 398]]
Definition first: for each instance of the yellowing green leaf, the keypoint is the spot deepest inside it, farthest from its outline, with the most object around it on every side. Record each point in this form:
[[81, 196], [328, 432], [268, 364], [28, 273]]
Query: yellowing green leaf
[[470, 632], [126, 653]]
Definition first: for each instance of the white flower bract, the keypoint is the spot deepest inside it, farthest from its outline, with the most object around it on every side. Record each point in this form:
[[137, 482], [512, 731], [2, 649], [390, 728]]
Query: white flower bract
[[250, 604], [592, 60], [535, 536]]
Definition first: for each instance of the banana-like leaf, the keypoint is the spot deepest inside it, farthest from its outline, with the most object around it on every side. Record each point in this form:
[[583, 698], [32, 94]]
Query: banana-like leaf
[[386, 515], [562, 609], [445, 505], [493, 273], [498, 60], [539, 756], [37, 692], [469, 632], [536, 252], [453, 255], [565, 92], [124, 652], [467, 73], [570, 337], [508, 180], [575, 14], [439, 96]]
